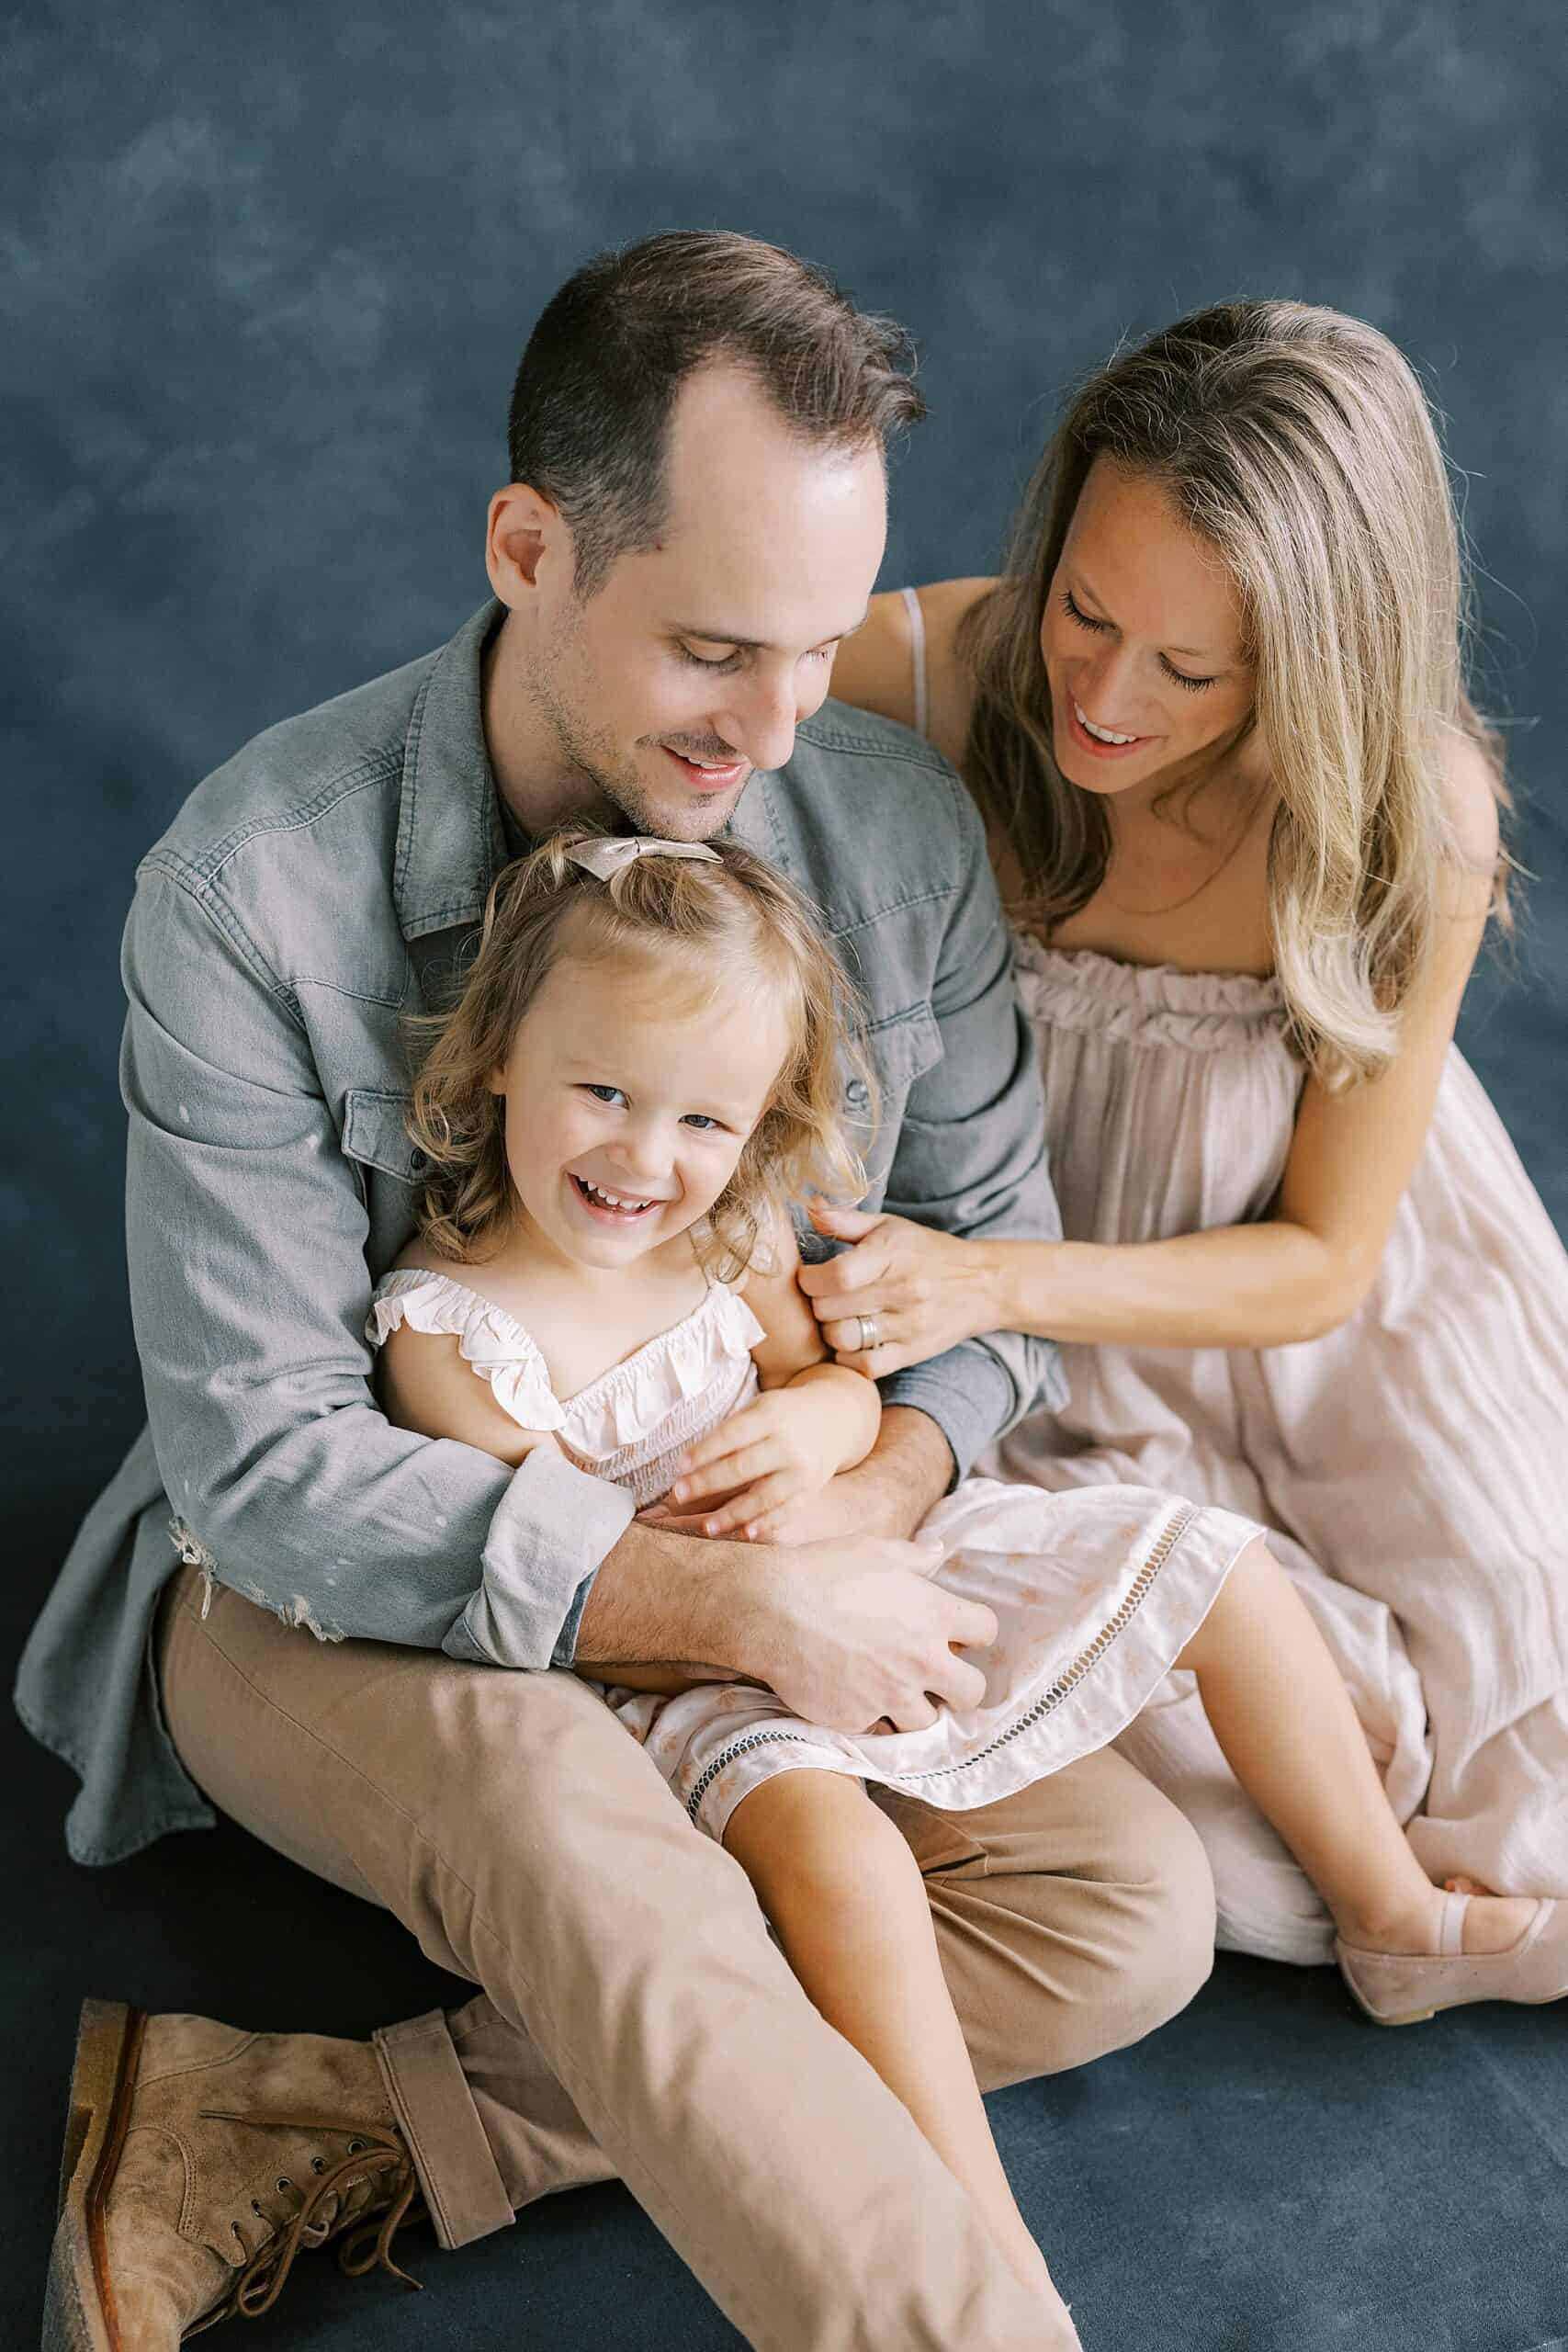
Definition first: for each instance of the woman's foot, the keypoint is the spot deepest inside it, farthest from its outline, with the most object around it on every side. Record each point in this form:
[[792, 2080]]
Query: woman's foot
[[1489, 1924], [1398, 1987]]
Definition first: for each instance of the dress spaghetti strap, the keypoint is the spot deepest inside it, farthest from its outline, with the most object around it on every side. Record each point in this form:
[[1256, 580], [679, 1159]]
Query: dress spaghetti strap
[[918, 657]]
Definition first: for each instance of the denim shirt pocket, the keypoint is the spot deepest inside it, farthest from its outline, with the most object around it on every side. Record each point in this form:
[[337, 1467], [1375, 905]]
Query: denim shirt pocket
[[902, 1049], [387, 1165]]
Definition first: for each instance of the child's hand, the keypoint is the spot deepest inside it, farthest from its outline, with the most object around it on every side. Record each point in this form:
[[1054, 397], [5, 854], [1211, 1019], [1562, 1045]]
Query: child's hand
[[786, 1443], [668, 1515]]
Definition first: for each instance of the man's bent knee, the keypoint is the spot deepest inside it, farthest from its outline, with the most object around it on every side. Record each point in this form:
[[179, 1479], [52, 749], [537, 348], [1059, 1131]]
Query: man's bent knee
[[1163, 1903]]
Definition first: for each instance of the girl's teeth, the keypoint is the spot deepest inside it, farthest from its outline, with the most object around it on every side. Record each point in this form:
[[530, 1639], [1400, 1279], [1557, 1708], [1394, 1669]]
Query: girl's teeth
[[611, 1200], [1100, 734]]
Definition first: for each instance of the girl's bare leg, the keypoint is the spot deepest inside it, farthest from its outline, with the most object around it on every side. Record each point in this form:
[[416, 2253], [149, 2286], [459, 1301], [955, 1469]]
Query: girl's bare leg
[[1279, 1709], [844, 1894]]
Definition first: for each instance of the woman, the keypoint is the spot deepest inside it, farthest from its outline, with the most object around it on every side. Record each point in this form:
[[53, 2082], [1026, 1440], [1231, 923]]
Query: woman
[[1246, 823]]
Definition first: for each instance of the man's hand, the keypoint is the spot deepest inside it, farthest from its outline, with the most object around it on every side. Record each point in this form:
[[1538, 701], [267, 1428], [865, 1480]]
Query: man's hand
[[845, 1625], [856, 1636], [851, 1633]]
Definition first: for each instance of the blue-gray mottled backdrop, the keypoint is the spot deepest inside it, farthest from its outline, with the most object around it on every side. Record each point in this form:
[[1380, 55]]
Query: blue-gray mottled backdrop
[[267, 273]]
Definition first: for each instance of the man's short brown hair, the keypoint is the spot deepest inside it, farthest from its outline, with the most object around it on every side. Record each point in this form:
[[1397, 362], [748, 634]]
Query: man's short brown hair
[[591, 408]]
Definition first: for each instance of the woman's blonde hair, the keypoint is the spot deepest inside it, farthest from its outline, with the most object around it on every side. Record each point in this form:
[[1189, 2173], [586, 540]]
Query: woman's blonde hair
[[728, 926], [1297, 442]]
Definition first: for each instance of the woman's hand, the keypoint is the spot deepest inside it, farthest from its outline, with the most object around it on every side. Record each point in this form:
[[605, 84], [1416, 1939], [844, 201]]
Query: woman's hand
[[926, 1291], [786, 1444]]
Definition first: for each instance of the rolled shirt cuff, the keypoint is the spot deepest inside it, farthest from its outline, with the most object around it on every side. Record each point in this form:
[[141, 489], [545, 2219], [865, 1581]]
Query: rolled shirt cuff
[[555, 1526], [970, 1395], [566, 1640]]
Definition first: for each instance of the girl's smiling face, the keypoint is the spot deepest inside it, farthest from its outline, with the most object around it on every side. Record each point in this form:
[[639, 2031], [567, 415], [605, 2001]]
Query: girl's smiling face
[[628, 1100], [1142, 640]]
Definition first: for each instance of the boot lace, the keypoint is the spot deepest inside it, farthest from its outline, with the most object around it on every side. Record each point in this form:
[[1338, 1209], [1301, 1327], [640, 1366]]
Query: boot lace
[[378, 2162]]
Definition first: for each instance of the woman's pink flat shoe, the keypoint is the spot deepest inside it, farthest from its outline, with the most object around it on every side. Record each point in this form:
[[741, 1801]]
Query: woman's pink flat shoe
[[1403, 1988]]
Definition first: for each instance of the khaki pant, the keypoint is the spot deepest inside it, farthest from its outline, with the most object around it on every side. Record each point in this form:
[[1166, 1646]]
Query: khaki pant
[[635, 2018]]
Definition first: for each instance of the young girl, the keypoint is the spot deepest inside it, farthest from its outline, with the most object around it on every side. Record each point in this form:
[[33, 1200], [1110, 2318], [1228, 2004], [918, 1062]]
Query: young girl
[[1247, 823], [642, 1073]]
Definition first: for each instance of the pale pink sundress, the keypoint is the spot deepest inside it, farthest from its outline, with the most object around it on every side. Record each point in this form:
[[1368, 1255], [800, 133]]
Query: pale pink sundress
[[1411, 1467], [1096, 1592]]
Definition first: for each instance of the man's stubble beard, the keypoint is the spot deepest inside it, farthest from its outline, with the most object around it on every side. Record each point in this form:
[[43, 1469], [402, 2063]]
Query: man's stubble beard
[[613, 787]]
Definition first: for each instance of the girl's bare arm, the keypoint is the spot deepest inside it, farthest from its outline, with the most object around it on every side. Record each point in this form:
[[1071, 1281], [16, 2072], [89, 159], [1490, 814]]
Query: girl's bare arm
[[425, 1385], [813, 1417]]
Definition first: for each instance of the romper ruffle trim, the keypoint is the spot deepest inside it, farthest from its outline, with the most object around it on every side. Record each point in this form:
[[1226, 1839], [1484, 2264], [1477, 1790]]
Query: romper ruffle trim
[[624, 1407]]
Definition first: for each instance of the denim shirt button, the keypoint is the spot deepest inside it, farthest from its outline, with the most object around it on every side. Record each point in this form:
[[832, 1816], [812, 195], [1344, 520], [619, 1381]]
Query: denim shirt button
[[856, 1094]]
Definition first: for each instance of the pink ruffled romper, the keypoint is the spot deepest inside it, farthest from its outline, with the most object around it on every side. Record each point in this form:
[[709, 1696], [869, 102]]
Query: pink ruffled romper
[[1096, 1591]]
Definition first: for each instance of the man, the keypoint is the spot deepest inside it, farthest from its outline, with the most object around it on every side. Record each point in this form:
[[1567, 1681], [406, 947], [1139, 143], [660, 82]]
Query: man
[[348, 1624]]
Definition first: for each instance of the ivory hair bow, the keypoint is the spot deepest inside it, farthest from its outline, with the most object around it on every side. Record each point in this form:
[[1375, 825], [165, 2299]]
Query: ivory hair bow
[[603, 858]]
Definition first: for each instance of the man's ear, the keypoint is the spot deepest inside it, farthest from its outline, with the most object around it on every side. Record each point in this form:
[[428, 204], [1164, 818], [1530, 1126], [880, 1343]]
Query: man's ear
[[526, 544]]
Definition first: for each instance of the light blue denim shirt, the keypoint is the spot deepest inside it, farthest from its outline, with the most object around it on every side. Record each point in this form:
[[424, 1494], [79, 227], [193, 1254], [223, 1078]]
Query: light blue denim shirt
[[309, 896]]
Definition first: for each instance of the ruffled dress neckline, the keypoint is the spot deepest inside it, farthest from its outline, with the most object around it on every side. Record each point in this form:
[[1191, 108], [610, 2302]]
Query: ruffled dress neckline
[[1154, 1004], [631, 1421]]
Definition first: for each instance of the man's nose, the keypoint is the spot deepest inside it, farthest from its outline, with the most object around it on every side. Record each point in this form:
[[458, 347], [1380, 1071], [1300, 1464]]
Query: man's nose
[[762, 720]]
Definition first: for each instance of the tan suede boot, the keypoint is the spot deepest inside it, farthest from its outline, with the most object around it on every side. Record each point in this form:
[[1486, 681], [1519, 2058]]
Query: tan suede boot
[[199, 2160]]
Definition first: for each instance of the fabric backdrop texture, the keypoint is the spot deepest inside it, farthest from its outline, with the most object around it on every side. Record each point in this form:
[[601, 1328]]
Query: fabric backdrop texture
[[264, 277], [264, 286]]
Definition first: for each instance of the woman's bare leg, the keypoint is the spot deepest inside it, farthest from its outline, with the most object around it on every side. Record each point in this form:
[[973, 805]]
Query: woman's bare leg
[[1281, 1714], [845, 1896]]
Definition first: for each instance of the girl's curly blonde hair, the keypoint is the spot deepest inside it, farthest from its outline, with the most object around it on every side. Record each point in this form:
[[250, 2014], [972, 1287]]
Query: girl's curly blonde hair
[[724, 925]]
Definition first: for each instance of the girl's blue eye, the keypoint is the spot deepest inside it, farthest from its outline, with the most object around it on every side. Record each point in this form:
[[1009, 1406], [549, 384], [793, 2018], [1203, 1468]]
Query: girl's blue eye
[[698, 1119], [606, 1093]]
